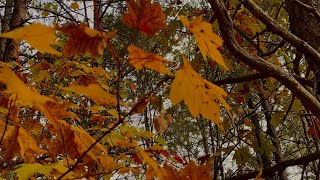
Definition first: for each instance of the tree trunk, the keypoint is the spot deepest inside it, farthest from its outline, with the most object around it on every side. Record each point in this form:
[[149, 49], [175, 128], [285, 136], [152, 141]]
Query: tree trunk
[[5, 25], [11, 47]]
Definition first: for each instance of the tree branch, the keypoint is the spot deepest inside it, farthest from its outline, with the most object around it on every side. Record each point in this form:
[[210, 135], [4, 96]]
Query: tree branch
[[274, 27], [255, 62], [309, 8], [252, 77], [280, 167]]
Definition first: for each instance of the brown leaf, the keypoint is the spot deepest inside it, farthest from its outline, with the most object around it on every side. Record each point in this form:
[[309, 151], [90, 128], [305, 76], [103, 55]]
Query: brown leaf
[[160, 124], [82, 39], [140, 106], [145, 16], [168, 117]]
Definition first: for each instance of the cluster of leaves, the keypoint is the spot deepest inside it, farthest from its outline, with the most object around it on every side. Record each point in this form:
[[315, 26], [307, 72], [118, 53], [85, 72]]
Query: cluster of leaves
[[44, 120]]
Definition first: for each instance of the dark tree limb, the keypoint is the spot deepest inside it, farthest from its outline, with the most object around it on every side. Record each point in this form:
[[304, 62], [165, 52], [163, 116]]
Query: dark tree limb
[[255, 62], [256, 76], [280, 167], [309, 8], [274, 27]]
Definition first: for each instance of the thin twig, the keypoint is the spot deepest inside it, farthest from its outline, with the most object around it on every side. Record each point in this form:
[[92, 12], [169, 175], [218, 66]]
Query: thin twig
[[7, 121]]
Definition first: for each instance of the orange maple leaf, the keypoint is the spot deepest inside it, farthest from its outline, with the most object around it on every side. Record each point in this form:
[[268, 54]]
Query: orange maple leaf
[[139, 59], [82, 39], [145, 16]]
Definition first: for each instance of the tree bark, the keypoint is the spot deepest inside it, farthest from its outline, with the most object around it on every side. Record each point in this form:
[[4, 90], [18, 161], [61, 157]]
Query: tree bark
[[11, 51], [5, 25]]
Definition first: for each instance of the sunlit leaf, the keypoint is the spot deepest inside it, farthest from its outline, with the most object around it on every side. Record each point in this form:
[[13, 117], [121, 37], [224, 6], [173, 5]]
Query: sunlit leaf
[[94, 92], [39, 36], [208, 42], [145, 16], [153, 168], [23, 95], [97, 71], [139, 59], [200, 96], [79, 141], [28, 170], [24, 145]]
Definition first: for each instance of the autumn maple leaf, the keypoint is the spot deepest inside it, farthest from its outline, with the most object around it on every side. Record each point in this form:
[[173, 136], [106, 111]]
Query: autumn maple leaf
[[145, 16], [82, 39], [139, 59], [208, 42], [200, 96], [37, 35]]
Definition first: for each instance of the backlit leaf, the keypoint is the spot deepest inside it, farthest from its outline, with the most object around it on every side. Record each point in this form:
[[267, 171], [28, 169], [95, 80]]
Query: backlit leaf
[[139, 59], [24, 95], [28, 170], [153, 167], [82, 39], [94, 92], [79, 141], [39, 36], [145, 16], [24, 145], [199, 95], [208, 42]]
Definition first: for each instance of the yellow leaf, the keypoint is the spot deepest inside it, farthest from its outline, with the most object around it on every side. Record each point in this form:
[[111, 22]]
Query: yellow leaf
[[96, 109], [94, 92], [24, 144], [97, 71], [24, 96], [61, 169], [74, 6], [199, 95], [108, 164], [114, 113], [27, 143], [37, 35], [208, 42], [153, 168], [79, 141], [139, 59], [28, 170]]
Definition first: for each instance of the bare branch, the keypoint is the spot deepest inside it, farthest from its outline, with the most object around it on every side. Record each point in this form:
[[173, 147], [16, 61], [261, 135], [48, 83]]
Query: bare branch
[[273, 26], [280, 167], [255, 62]]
